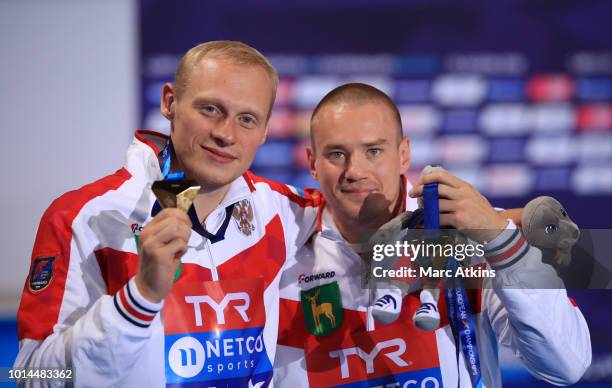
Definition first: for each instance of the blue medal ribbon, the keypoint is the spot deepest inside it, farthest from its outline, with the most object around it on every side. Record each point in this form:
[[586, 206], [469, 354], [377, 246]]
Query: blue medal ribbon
[[165, 158], [431, 207], [457, 303]]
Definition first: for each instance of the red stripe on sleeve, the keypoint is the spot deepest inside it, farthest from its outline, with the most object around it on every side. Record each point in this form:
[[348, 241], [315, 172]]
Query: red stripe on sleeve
[[130, 310], [38, 311], [511, 251]]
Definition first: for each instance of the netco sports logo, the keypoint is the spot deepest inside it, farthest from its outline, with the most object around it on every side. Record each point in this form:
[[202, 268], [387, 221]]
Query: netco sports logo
[[214, 334]]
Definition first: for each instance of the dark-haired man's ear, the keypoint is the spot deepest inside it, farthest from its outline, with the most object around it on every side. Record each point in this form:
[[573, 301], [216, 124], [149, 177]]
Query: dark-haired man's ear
[[311, 162]]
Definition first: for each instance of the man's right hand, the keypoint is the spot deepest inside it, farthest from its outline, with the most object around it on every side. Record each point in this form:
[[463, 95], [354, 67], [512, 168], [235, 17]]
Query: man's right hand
[[162, 243]]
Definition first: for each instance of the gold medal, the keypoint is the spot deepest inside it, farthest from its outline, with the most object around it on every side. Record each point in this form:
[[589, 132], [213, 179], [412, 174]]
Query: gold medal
[[179, 194]]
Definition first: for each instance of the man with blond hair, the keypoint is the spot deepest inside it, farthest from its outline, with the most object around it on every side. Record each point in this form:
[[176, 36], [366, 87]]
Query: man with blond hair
[[123, 293]]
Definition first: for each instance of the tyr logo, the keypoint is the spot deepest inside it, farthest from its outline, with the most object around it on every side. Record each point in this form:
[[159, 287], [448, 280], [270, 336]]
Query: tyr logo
[[368, 358], [220, 307]]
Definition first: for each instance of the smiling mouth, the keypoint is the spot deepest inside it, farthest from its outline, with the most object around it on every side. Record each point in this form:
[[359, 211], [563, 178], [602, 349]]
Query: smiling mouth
[[219, 156], [357, 191]]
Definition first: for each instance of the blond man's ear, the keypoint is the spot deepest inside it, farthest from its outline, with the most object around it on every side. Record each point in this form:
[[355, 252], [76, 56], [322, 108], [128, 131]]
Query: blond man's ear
[[167, 101]]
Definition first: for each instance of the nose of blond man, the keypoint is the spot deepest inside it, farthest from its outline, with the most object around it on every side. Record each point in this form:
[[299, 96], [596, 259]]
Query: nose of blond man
[[224, 133]]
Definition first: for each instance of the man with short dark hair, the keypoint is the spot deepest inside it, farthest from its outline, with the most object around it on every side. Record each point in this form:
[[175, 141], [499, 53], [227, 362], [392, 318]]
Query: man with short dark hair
[[374, 112], [124, 294], [328, 333]]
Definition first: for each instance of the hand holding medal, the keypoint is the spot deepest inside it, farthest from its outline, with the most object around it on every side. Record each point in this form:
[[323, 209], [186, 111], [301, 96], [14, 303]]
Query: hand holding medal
[[164, 240]]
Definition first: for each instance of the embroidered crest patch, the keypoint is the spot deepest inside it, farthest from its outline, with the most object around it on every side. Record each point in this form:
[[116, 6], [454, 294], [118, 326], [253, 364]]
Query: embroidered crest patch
[[322, 309], [243, 215], [41, 273]]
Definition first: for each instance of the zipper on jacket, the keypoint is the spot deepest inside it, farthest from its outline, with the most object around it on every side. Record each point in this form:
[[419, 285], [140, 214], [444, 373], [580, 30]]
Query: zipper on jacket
[[370, 324], [213, 267]]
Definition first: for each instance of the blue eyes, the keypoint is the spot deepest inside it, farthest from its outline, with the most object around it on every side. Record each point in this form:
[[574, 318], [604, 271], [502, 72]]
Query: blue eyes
[[209, 109], [213, 111], [248, 122], [337, 155]]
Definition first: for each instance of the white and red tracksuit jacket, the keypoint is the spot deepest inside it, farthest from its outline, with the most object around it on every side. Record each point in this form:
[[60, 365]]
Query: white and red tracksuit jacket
[[217, 327], [543, 327]]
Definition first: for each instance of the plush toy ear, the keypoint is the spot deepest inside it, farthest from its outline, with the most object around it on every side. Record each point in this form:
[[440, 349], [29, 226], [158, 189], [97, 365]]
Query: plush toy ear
[[537, 219], [546, 225]]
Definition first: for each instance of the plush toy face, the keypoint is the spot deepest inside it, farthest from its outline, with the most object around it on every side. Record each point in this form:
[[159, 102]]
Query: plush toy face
[[546, 224]]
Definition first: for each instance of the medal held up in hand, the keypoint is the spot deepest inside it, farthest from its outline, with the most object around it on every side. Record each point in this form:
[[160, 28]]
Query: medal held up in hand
[[176, 193]]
